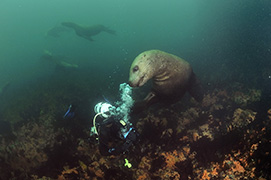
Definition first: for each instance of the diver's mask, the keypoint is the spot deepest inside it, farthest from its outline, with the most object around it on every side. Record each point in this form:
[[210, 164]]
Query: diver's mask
[[103, 109]]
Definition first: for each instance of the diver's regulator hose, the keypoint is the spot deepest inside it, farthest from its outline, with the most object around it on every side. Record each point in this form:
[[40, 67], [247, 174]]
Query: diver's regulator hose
[[94, 122]]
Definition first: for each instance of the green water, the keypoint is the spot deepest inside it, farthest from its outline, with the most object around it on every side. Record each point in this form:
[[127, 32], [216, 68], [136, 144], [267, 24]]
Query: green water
[[220, 37], [225, 41]]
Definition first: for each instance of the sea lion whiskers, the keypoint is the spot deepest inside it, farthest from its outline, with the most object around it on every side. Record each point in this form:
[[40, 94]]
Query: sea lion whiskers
[[141, 80]]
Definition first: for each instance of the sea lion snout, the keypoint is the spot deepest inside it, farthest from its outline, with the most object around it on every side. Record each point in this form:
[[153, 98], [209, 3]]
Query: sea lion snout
[[133, 84], [135, 81], [130, 84], [139, 72]]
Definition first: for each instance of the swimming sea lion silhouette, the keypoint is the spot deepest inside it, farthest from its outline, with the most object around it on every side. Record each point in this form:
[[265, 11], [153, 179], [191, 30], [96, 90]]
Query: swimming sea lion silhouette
[[88, 31], [58, 60]]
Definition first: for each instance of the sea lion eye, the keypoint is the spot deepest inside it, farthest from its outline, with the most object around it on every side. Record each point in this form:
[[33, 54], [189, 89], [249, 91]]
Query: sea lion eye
[[135, 69]]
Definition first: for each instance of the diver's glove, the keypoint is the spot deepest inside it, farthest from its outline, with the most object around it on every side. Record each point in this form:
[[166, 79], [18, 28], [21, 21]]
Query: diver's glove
[[111, 150]]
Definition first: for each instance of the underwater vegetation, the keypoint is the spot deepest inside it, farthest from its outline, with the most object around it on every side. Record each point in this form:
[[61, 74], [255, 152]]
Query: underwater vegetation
[[220, 138]]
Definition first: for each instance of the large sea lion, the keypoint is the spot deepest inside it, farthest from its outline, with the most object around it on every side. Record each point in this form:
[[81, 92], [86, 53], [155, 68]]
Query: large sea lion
[[172, 77], [88, 31]]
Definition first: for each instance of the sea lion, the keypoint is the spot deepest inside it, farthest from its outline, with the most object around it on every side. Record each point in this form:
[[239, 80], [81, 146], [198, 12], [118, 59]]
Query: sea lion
[[172, 77], [58, 60], [88, 31]]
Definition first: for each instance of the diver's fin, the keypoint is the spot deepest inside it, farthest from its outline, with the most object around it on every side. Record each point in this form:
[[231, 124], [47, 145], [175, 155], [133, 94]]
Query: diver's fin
[[70, 113], [195, 88]]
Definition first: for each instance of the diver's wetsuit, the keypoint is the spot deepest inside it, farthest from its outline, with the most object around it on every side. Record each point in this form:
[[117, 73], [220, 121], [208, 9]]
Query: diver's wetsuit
[[110, 141]]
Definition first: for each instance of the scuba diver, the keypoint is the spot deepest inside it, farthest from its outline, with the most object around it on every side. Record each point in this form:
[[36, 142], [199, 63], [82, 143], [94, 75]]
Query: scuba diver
[[113, 134], [112, 129]]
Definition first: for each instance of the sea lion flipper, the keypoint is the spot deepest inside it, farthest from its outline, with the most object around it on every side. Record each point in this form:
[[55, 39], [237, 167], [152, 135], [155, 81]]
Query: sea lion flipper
[[195, 89], [84, 36], [150, 99], [110, 31], [88, 38]]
